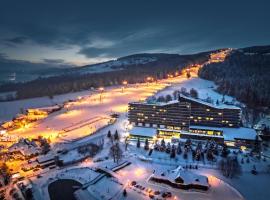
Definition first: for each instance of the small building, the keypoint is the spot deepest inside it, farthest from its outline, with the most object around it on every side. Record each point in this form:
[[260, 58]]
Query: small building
[[240, 136], [46, 160], [181, 134], [25, 147], [142, 133], [181, 179]]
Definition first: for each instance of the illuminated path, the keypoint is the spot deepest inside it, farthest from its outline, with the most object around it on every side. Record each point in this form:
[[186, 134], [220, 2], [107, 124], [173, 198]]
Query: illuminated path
[[98, 104]]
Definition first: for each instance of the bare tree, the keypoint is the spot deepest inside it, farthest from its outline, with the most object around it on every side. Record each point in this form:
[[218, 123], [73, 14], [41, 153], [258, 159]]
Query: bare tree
[[116, 152], [230, 167]]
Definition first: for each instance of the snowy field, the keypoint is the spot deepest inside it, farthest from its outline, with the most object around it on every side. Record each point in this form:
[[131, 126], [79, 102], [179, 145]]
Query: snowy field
[[204, 87], [73, 126]]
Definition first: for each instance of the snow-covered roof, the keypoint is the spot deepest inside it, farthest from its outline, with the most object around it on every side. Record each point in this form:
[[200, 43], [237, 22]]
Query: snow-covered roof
[[219, 106], [155, 103], [187, 176], [231, 134], [239, 133], [142, 131], [45, 158], [206, 128]]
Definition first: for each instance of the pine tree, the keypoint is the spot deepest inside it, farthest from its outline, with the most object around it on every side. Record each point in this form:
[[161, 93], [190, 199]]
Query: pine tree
[[116, 135], [257, 145], [173, 151], [146, 146], [163, 145], [225, 151], [125, 193], [138, 143], [168, 148], [193, 93], [109, 134], [179, 149]]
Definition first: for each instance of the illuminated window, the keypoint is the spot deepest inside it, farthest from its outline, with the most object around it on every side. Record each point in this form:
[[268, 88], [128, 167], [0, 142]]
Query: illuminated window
[[219, 113], [210, 132], [199, 117], [208, 110]]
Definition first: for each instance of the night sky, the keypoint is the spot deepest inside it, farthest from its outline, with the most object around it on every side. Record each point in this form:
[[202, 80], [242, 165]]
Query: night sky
[[67, 33]]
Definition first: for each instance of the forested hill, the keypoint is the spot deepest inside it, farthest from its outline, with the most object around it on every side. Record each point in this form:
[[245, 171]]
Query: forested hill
[[134, 69], [245, 74]]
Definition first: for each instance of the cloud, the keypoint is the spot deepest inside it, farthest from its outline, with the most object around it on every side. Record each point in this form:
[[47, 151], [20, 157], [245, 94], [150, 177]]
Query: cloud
[[17, 40], [53, 61], [101, 43], [128, 27]]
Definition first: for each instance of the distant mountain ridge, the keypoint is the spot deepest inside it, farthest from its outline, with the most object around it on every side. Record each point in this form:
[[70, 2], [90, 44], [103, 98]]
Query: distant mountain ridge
[[133, 68]]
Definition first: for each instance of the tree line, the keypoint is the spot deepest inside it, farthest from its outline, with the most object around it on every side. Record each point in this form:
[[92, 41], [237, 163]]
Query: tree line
[[135, 73], [244, 75]]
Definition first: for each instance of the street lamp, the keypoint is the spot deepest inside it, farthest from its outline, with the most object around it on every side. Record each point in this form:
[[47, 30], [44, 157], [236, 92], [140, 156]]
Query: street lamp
[[101, 89], [149, 79], [124, 84]]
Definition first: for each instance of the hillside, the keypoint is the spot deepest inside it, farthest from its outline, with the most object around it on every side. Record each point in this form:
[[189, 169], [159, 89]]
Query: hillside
[[244, 74], [134, 69]]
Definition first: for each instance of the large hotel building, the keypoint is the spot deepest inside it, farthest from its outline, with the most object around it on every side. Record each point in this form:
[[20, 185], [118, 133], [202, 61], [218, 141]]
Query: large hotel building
[[186, 117]]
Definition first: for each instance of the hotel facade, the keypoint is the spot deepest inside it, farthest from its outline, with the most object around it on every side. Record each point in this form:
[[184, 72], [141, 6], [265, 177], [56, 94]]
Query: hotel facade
[[186, 117]]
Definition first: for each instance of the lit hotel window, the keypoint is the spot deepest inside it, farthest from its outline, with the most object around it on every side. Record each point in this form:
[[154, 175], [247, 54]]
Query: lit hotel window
[[199, 117], [219, 113], [210, 132], [208, 110]]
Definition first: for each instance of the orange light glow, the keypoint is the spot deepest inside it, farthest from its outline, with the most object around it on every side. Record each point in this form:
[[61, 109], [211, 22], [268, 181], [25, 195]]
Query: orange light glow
[[139, 172], [101, 89]]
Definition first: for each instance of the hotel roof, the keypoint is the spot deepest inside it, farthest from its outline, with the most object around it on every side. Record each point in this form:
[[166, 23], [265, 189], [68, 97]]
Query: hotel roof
[[219, 106], [231, 134], [142, 131], [200, 101]]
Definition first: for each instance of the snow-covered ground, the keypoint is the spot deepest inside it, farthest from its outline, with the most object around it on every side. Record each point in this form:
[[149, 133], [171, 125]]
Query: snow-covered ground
[[88, 113], [204, 87]]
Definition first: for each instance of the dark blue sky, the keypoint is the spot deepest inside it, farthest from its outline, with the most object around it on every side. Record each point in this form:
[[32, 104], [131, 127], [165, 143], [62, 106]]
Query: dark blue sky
[[80, 32]]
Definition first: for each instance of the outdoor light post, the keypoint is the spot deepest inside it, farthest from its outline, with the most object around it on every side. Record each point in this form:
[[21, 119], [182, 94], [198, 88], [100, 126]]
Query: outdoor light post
[[101, 89], [124, 85]]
